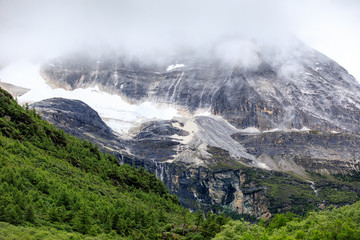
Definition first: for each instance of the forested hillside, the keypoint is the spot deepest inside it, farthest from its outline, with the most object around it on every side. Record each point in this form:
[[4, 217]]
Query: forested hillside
[[341, 224], [54, 185]]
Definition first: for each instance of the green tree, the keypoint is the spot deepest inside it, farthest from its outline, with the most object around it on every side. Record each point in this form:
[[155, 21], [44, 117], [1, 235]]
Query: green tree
[[199, 218], [30, 213], [14, 214], [83, 221]]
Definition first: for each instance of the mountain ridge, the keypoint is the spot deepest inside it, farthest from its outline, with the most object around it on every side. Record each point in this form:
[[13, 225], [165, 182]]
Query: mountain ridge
[[273, 95]]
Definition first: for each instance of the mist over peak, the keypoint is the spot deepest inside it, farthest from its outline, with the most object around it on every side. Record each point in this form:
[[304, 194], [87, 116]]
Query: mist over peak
[[40, 30]]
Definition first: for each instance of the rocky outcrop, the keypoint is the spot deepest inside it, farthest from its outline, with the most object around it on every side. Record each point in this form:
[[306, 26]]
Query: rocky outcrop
[[246, 191], [73, 116], [150, 141], [321, 152], [221, 182], [203, 188]]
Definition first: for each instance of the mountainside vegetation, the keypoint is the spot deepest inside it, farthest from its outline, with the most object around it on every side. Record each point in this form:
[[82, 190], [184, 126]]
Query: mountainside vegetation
[[342, 223], [52, 184]]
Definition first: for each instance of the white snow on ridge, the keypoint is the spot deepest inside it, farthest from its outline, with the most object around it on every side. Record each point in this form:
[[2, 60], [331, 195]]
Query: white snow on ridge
[[250, 130], [256, 130], [118, 114], [203, 112], [175, 66], [274, 130], [305, 129], [262, 165], [119, 126]]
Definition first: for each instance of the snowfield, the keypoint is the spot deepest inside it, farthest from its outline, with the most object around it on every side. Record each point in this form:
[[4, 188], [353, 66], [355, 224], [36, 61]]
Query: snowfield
[[118, 114]]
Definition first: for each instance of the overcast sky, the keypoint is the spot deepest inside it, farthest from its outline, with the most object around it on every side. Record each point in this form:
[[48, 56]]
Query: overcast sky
[[40, 29]]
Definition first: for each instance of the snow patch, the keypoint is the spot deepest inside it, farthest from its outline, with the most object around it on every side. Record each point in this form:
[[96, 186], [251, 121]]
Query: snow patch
[[263, 165], [174, 66], [305, 129], [250, 130], [274, 130], [119, 126], [203, 112]]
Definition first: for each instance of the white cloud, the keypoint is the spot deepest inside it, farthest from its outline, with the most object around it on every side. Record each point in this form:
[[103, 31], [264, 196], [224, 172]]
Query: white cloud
[[333, 28], [39, 29]]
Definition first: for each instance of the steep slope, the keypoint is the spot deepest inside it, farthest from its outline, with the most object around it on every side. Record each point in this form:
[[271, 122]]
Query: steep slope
[[210, 178], [55, 185], [73, 116]]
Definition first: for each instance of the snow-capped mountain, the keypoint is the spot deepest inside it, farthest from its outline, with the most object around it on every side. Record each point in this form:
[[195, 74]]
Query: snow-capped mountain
[[189, 116]]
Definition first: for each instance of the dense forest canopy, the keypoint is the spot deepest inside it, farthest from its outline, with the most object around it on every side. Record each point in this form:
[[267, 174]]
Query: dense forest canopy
[[51, 180]]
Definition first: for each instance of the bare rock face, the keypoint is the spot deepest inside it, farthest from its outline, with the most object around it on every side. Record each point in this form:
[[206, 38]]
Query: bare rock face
[[321, 152], [304, 89], [244, 191], [72, 116], [272, 130], [227, 188]]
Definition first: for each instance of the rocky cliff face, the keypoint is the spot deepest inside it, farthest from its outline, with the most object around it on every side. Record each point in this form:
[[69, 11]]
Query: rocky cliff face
[[270, 128], [73, 116], [321, 152], [211, 178]]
